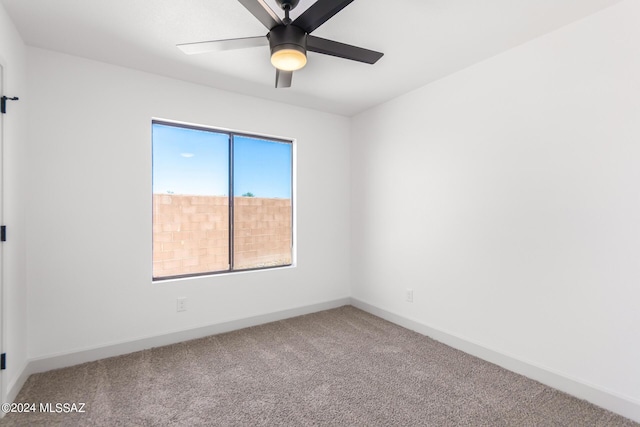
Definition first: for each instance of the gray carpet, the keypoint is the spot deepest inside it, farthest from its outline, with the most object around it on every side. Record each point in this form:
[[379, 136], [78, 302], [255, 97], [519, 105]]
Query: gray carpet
[[341, 367]]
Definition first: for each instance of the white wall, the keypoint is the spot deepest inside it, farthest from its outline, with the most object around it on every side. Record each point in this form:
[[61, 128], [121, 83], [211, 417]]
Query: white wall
[[507, 196], [89, 260], [14, 304]]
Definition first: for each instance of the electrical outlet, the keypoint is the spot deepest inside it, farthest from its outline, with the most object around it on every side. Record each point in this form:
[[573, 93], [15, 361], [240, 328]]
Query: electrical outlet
[[409, 295], [182, 304]]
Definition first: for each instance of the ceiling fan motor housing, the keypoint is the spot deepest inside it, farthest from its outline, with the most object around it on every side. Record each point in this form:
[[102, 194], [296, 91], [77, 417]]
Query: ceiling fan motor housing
[[287, 37]]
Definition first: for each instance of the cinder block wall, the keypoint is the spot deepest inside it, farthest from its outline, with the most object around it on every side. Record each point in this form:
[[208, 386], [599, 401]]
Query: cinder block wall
[[262, 229], [191, 233]]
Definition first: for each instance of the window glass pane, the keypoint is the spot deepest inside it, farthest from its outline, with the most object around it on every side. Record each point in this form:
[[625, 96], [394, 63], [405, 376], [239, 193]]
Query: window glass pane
[[190, 201], [262, 203]]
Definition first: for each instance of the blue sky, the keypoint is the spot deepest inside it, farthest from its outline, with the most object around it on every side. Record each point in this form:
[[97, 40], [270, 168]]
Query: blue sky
[[191, 161]]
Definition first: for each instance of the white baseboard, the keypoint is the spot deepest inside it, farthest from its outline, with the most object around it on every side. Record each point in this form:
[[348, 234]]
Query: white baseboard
[[622, 405], [16, 385], [47, 363]]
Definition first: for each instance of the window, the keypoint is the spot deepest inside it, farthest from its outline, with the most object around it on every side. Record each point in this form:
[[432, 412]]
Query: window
[[222, 201]]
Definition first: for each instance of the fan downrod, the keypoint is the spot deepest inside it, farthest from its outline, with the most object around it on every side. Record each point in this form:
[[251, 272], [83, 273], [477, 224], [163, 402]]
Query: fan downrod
[[287, 5]]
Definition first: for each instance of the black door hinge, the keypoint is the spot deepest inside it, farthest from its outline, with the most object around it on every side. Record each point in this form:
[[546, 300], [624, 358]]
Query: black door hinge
[[3, 361], [3, 233], [3, 103]]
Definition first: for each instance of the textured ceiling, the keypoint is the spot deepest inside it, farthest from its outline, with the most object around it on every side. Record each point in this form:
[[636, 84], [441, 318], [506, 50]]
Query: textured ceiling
[[423, 40]]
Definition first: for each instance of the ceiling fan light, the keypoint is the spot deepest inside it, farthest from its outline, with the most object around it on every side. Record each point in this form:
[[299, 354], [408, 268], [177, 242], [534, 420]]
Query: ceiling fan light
[[288, 58]]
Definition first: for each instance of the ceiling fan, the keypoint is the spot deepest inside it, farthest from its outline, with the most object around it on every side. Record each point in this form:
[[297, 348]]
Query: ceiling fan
[[289, 40]]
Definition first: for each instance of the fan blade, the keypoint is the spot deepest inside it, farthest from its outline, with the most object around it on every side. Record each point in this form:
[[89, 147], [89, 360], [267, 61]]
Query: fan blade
[[261, 10], [220, 45], [341, 50], [319, 13], [283, 78]]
